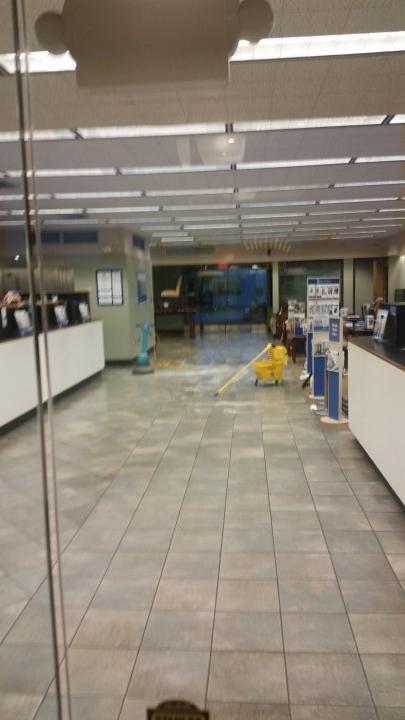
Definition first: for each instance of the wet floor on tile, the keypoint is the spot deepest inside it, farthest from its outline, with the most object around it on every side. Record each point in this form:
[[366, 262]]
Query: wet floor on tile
[[228, 551]]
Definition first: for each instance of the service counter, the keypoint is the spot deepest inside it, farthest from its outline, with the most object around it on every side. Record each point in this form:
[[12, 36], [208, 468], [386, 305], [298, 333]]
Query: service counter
[[376, 406], [75, 353]]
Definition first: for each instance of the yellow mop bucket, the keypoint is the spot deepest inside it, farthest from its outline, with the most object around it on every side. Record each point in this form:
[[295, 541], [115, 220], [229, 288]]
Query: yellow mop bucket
[[272, 370]]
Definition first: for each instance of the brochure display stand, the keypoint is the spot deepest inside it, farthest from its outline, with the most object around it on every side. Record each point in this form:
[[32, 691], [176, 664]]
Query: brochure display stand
[[320, 338], [334, 372], [323, 297]]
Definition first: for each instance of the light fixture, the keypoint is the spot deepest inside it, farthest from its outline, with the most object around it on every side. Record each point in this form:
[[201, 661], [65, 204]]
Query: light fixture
[[371, 183], [211, 227], [272, 215], [170, 240], [321, 46], [16, 258], [125, 210], [380, 159], [38, 62], [306, 123], [74, 172], [172, 169], [271, 164], [170, 234], [357, 200], [397, 119], [288, 203], [98, 195], [185, 193], [185, 208], [145, 131]]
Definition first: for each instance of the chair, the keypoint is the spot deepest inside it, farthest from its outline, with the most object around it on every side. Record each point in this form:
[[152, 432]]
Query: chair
[[173, 294]]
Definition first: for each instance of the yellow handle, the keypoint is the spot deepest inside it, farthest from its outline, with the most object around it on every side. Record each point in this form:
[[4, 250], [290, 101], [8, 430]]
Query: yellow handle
[[241, 372]]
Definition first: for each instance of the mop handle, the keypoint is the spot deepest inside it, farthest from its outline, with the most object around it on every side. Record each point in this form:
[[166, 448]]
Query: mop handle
[[241, 372]]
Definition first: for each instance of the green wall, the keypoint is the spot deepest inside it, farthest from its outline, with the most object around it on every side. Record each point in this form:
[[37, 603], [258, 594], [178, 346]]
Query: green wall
[[122, 335]]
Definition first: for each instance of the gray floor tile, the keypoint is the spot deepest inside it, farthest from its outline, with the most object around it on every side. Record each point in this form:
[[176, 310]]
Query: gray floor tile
[[83, 708], [391, 713], [340, 503], [247, 520], [146, 541], [247, 631], [299, 541], [316, 712], [197, 541], [248, 566], [352, 541], [170, 674], [241, 541], [191, 565], [19, 707], [392, 542], [138, 564], [248, 711], [386, 521], [385, 674], [326, 679], [201, 520], [310, 596], [294, 503], [337, 520], [361, 566], [398, 565], [304, 566], [192, 594], [318, 632], [383, 503], [329, 487], [379, 633], [247, 677], [120, 629], [125, 593], [25, 670], [247, 596], [295, 520], [100, 671], [178, 630], [373, 597]]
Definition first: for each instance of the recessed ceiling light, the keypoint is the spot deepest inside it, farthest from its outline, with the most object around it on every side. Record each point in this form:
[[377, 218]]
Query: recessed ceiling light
[[185, 193], [39, 62], [59, 211], [370, 183], [75, 172], [97, 195], [271, 164], [305, 123], [11, 198], [114, 210], [212, 227], [397, 119], [170, 234], [291, 203], [357, 200], [169, 240], [16, 258], [320, 46], [358, 211], [144, 131], [272, 215], [160, 228], [186, 208], [172, 169], [380, 159]]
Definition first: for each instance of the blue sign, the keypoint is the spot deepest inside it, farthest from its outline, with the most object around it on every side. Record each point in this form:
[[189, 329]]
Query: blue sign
[[334, 330]]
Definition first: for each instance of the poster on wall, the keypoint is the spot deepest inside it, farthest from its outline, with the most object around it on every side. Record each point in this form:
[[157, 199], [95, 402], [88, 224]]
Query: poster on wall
[[323, 296], [110, 290]]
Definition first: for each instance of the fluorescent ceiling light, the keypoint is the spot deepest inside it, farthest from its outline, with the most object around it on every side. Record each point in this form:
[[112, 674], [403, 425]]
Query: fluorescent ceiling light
[[160, 228], [376, 227], [38, 135], [269, 164], [69, 221], [204, 218], [98, 195], [114, 210], [343, 212], [278, 204], [273, 215], [172, 169], [320, 46], [397, 119], [75, 172], [11, 198], [140, 131], [168, 241], [270, 224], [376, 218], [39, 62], [305, 123], [211, 227], [380, 159], [171, 234], [185, 208], [369, 184], [184, 193], [357, 200], [60, 211]]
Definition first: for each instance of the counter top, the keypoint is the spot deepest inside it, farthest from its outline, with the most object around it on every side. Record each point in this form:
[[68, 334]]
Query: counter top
[[390, 354]]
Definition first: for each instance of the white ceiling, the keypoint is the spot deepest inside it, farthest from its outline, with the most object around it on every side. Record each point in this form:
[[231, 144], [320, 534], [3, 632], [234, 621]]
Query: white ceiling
[[315, 88]]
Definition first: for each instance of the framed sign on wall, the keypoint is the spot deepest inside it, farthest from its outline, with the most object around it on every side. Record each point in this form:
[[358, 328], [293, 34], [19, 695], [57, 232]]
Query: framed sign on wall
[[110, 287]]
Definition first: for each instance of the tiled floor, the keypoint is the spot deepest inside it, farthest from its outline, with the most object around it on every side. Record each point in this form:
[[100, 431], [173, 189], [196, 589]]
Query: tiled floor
[[225, 551]]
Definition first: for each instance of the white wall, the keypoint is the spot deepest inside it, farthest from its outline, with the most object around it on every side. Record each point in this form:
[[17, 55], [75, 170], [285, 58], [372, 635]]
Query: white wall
[[363, 283]]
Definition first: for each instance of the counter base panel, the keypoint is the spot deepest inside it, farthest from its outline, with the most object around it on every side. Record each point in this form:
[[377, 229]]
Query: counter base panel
[[376, 413]]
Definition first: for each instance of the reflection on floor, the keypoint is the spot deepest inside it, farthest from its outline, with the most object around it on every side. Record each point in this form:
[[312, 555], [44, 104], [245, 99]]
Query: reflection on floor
[[225, 551]]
